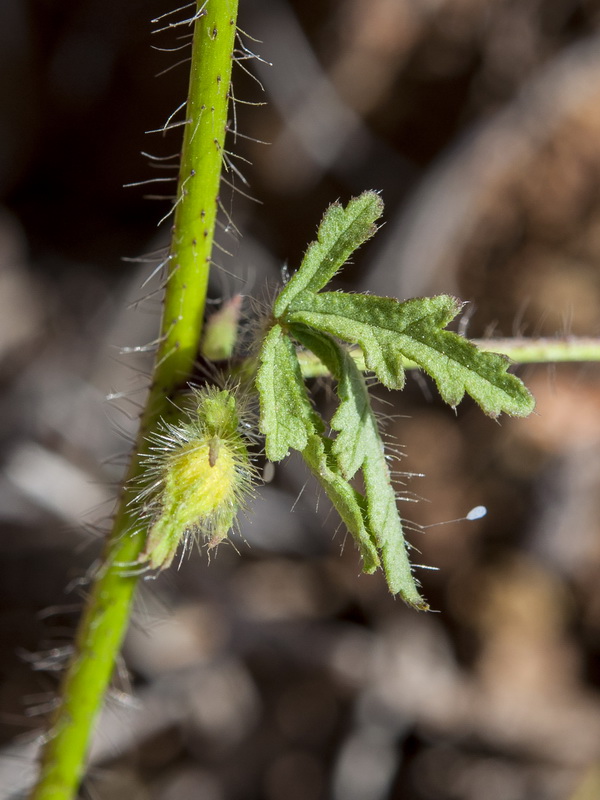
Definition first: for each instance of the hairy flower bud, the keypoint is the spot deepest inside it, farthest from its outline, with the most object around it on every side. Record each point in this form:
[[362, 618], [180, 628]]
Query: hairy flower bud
[[199, 475]]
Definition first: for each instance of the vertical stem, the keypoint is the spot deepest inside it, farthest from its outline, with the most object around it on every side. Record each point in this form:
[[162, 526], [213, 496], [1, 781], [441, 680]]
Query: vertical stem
[[108, 608], [198, 190]]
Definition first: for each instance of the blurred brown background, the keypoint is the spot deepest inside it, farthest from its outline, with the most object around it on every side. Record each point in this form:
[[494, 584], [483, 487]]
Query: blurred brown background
[[279, 672]]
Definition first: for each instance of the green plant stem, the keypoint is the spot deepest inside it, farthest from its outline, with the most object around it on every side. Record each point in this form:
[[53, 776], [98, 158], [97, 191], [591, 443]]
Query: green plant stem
[[108, 608], [544, 350], [521, 351]]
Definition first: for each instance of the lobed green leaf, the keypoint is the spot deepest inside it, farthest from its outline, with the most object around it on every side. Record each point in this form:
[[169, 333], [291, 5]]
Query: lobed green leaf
[[353, 419], [341, 232], [389, 331], [349, 503], [287, 418], [358, 444]]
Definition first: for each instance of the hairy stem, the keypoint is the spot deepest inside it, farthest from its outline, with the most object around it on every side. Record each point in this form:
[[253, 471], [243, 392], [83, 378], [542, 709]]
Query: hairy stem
[[108, 608]]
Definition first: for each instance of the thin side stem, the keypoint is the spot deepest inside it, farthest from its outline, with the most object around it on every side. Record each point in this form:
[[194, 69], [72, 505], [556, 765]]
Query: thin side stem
[[521, 351], [544, 350], [108, 608]]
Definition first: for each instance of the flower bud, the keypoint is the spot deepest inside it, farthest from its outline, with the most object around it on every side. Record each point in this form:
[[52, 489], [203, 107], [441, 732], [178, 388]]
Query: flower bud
[[199, 475]]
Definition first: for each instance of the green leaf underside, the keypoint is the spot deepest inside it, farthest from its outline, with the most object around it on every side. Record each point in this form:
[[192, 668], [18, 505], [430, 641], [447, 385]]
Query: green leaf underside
[[358, 444], [341, 232], [388, 330], [354, 419], [349, 503], [287, 418]]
